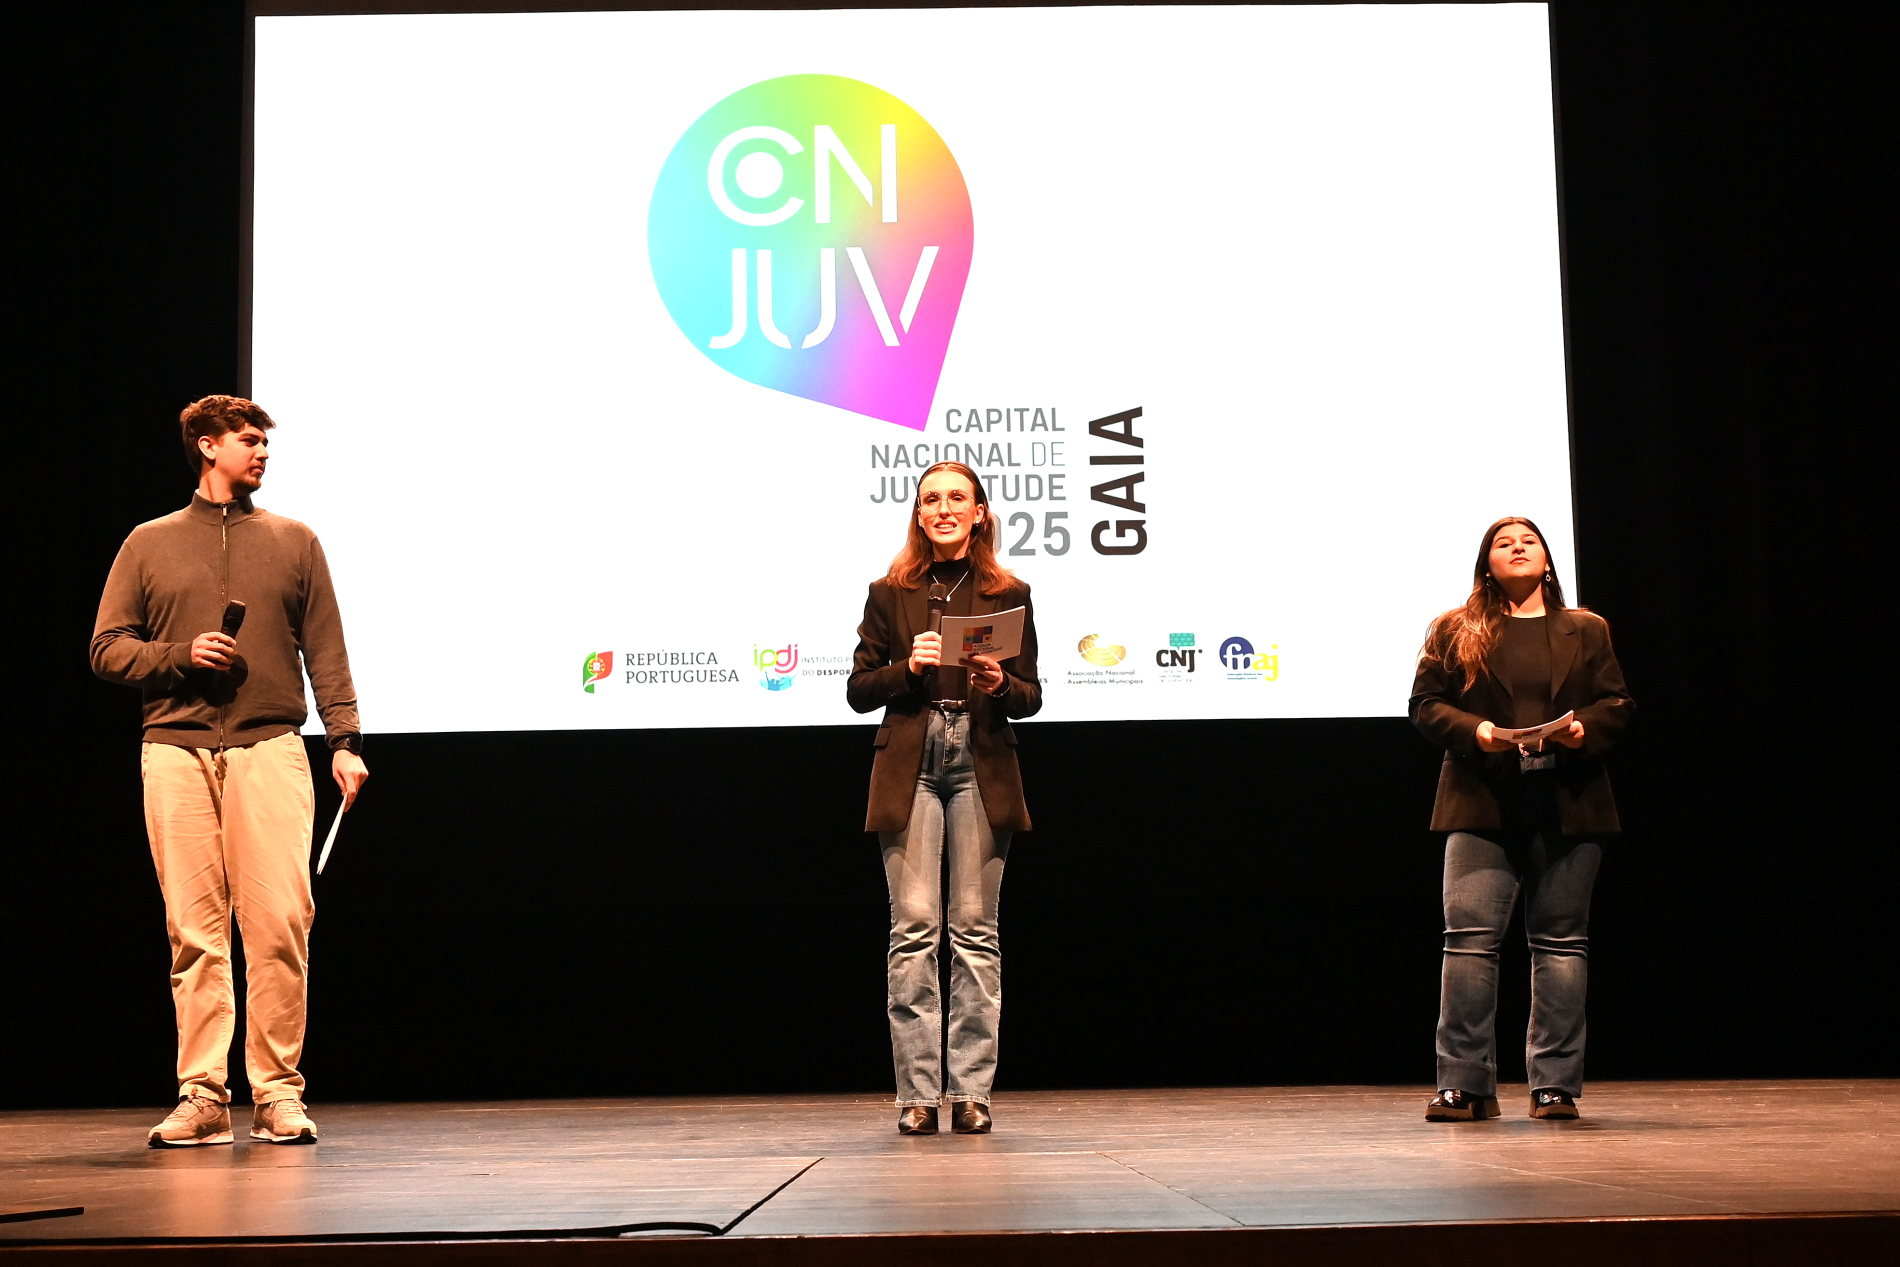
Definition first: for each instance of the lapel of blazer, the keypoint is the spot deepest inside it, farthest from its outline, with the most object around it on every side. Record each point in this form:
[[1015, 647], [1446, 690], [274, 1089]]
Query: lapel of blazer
[[913, 608], [1564, 641], [1491, 667]]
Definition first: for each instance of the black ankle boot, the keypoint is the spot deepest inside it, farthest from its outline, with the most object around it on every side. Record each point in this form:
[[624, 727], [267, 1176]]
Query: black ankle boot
[[967, 1117]]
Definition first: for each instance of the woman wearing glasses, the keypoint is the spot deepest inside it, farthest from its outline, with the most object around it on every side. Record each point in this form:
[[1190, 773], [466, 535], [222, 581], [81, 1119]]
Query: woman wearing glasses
[[944, 787]]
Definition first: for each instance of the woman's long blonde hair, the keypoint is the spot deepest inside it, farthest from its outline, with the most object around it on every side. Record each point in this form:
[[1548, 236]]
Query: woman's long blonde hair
[[1464, 637], [913, 562]]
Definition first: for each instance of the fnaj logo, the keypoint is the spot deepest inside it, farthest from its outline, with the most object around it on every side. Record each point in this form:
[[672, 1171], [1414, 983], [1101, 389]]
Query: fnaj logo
[[812, 234], [778, 669], [1245, 664], [595, 668], [1095, 651]]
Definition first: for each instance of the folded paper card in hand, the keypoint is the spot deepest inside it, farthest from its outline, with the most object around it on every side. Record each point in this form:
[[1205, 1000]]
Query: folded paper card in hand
[[1534, 734], [998, 635]]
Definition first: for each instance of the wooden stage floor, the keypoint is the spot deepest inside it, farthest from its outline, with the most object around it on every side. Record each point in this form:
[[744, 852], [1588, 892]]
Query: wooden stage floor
[[1720, 1166]]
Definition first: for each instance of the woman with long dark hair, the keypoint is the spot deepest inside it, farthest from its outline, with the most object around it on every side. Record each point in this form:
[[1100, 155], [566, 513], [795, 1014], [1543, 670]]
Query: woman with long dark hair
[[946, 794], [1521, 820]]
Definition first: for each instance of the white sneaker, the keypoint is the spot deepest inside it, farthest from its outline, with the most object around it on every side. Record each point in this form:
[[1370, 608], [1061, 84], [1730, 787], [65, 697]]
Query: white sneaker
[[198, 1119], [282, 1122]]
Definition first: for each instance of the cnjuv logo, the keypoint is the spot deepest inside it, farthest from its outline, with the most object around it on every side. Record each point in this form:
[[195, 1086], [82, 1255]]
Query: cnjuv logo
[[812, 234]]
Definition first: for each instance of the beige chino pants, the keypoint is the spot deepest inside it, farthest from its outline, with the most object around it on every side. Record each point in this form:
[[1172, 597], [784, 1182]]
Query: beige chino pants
[[230, 833]]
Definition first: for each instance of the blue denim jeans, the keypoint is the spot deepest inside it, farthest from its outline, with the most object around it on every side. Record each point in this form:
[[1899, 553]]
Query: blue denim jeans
[[946, 819], [1483, 877]]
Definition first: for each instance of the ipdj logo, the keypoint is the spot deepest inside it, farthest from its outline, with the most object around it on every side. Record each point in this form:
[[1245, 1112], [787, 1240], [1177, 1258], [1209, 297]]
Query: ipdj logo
[[1095, 651], [774, 192], [778, 669], [1240, 658], [595, 668]]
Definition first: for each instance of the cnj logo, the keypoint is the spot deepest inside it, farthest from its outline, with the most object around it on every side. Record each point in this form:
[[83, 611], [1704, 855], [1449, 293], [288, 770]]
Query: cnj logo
[[1101, 653], [595, 668], [1180, 653], [812, 234], [777, 669], [1245, 664]]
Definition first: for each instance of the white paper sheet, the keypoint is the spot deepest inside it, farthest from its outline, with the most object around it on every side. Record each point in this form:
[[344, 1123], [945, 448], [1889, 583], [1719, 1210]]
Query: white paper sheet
[[330, 840], [1534, 734]]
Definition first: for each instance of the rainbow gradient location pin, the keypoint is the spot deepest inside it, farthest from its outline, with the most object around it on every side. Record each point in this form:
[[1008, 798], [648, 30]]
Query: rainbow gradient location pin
[[812, 234]]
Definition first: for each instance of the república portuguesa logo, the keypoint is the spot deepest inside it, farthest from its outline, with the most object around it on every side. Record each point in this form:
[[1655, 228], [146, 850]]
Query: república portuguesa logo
[[595, 668], [812, 234], [778, 669]]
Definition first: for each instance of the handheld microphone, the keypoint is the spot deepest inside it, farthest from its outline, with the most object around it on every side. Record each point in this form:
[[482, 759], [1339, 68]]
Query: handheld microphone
[[233, 618], [939, 599]]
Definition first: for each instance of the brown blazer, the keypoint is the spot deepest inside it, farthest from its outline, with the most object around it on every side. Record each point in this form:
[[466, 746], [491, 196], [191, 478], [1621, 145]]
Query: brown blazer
[[1584, 677], [881, 676]]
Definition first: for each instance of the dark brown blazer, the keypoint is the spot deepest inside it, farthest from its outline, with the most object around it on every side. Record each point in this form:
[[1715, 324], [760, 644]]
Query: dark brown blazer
[[881, 677], [1584, 677]]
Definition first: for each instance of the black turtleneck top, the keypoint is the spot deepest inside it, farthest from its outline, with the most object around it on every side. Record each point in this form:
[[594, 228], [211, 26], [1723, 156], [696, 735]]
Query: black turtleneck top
[[952, 681]]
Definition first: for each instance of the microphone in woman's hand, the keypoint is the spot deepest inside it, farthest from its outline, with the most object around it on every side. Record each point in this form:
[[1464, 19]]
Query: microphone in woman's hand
[[939, 599], [233, 618]]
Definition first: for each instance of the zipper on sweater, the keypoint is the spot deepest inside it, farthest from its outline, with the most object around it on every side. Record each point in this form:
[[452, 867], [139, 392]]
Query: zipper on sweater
[[224, 592]]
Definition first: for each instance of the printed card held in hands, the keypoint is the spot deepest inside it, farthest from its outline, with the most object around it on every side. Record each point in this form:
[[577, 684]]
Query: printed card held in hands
[[1534, 734], [998, 635]]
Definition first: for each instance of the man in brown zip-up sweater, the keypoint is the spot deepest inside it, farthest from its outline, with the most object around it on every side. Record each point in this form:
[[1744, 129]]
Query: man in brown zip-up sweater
[[228, 799]]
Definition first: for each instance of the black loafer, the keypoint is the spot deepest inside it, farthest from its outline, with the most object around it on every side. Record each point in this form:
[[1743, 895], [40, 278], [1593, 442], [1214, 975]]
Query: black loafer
[[1453, 1105], [1552, 1103], [917, 1119], [967, 1117]]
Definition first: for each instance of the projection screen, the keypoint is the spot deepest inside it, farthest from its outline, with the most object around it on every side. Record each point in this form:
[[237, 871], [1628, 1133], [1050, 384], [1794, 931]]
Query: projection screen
[[606, 348]]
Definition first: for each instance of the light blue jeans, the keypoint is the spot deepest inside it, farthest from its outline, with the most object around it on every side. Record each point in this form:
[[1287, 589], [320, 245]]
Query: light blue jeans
[[1484, 875], [947, 822]]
